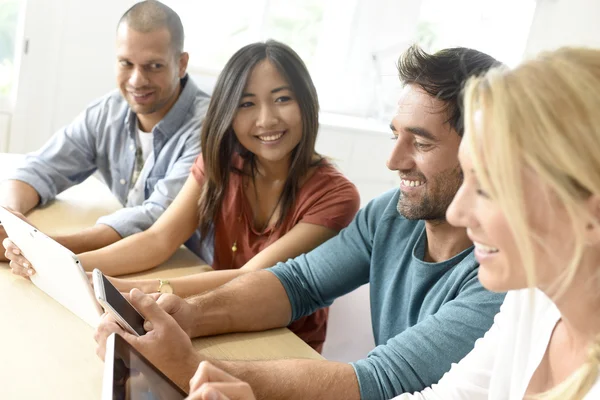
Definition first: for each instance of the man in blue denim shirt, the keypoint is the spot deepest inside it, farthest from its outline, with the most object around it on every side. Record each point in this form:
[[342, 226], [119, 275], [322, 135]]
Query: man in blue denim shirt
[[142, 139]]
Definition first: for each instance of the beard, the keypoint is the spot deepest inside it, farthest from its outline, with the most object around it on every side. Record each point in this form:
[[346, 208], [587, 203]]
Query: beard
[[433, 203]]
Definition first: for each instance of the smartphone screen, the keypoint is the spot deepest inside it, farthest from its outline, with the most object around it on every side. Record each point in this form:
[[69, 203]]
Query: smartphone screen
[[116, 300]]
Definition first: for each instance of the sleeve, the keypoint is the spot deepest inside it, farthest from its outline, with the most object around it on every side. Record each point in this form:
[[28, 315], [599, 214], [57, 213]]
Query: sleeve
[[470, 378], [130, 220], [67, 159], [413, 357], [337, 267], [336, 205]]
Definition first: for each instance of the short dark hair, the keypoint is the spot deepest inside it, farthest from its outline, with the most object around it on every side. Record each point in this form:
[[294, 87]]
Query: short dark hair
[[150, 15], [219, 142], [443, 75]]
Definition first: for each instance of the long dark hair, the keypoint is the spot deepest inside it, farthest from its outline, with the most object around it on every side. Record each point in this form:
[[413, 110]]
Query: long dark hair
[[219, 142]]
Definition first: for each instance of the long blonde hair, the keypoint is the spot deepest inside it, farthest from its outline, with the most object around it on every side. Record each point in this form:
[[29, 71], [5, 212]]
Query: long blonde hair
[[545, 117]]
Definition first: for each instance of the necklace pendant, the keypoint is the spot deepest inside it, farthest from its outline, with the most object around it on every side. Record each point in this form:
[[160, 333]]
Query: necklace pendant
[[234, 247]]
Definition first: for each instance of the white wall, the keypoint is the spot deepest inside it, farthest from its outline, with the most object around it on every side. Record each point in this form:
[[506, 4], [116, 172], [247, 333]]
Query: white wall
[[564, 22], [5, 118], [70, 62]]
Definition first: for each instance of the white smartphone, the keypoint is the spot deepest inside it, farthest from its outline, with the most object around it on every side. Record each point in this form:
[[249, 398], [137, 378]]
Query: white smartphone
[[114, 303]]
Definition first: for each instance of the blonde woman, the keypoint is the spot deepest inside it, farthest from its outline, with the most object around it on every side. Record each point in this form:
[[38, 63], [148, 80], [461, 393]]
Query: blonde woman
[[531, 204]]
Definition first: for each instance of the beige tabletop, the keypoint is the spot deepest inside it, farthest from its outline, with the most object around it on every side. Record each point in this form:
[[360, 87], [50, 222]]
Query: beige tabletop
[[49, 353]]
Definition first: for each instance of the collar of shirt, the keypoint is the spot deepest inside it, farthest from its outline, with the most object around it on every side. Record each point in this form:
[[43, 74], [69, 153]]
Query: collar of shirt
[[174, 119]]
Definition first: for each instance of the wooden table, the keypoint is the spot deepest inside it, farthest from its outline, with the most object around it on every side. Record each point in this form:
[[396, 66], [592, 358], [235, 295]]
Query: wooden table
[[49, 353]]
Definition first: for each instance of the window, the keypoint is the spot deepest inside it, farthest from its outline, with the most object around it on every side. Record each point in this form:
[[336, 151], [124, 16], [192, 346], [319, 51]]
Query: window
[[9, 11], [351, 46]]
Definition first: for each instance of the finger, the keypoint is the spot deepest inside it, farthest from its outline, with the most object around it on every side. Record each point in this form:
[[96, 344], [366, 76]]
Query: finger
[[10, 246], [207, 372], [226, 390], [207, 393], [19, 270], [18, 259], [107, 326], [170, 303], [149, 309], [155, 297]]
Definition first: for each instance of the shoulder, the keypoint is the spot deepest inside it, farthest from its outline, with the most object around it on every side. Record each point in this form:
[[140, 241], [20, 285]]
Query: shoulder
[[111, 104], [327, 186], [328, 177], [385, 208], [198, 100], [530, 304]]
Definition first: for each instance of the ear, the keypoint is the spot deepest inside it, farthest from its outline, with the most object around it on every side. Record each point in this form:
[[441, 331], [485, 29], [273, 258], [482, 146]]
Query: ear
[[184, 58], [593, 223]]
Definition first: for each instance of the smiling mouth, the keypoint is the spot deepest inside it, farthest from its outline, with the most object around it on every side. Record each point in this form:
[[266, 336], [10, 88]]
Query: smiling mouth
[[411, 183], [485, 249], [141, 95], [271, 137]]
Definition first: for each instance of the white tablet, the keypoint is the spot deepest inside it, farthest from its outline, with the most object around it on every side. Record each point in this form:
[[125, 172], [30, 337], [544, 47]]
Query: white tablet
[[58, 271], [129, 375]]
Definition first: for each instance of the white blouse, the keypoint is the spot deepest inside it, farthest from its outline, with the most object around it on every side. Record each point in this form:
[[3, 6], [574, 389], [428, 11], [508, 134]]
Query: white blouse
[[502, 363]]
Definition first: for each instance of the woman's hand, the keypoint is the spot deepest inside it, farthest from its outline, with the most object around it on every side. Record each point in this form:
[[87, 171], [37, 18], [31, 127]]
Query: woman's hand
[[18, 264], [211, 383]]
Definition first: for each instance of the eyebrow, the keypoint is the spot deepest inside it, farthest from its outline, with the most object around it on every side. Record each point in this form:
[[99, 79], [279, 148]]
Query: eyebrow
[[276, 90], [424, 133], [153, 61]]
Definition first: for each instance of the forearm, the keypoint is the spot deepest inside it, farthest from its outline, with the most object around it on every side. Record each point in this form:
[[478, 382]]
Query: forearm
[[89, 239], [135, 253], [255, 301], [191, 285], [296, 379], [18, 196]]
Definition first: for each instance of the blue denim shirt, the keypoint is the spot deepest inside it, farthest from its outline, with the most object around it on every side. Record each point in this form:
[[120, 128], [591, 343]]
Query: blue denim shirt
[[103, 138]]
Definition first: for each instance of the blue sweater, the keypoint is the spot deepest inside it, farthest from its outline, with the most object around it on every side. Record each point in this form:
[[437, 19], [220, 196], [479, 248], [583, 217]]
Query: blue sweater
[[425, 316]]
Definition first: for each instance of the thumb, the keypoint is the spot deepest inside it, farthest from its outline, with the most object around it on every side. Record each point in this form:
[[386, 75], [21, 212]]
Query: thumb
[[213, 394], [146, 306]]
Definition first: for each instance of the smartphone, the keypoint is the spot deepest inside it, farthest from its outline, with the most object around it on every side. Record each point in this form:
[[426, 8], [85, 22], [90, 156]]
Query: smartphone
[[114, 303]]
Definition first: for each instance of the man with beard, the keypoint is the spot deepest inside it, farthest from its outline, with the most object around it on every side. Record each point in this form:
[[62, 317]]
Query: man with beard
[[427, 306]]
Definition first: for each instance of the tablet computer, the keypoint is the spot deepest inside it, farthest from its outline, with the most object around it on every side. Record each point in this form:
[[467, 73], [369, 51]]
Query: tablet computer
[[58, 271], [129, 375]]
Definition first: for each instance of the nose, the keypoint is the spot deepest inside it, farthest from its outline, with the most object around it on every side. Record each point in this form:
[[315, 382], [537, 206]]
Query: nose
[[267, 117], [402, 157], [138, 78], [460, 212]]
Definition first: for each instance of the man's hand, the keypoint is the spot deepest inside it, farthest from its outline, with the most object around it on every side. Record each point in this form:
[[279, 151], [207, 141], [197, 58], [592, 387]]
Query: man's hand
[[179, 309], [212, 383], [165, 344]]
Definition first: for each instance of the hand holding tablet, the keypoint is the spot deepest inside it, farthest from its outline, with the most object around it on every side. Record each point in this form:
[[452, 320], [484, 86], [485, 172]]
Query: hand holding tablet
[[58, 271], [165, 344]]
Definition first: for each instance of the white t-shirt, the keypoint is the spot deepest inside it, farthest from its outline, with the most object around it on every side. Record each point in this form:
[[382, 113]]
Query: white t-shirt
[[146, 143], [502, 362]]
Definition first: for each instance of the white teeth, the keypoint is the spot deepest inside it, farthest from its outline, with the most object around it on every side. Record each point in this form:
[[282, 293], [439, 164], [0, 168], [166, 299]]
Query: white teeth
[[411, 183], [270, 138], [485, 248]]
